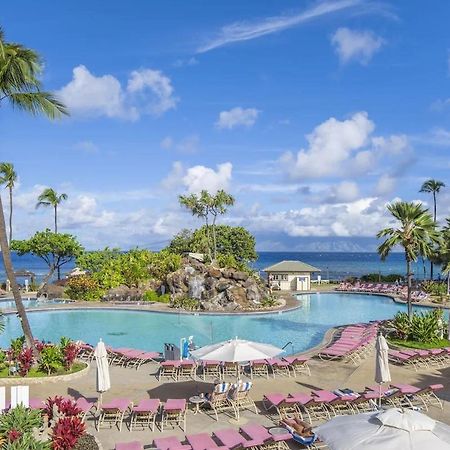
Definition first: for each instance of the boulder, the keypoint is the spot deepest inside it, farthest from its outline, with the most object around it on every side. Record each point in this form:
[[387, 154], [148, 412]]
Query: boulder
[[253, 294], [51, 291], [123, 294], [214, 272], [223, 285], [239, 276], [236, 294]]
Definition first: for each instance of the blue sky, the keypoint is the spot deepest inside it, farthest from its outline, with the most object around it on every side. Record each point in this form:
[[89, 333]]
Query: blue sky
[[313, 114]]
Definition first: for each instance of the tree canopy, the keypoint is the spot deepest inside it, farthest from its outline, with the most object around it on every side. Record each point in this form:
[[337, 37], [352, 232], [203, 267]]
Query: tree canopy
[[56, 249]]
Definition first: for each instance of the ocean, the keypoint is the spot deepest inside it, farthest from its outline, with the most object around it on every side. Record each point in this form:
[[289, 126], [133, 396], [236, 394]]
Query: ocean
[[334, 265]]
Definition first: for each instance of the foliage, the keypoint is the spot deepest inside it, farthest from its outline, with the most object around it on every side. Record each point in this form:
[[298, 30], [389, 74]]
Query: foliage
[[25, 361], [182, 242], [66, 432], [56, 249], [50, 359], [83, 287], [438, 343], [434, 288], [16, 429], [49, 197], [377, 278], [152, 296], [63, 405], [268, 302], [70, 353], [187, 303], [16, 346], [424, 327], [163, 263], [415, 232], [95, 261], [234, 243], [208, 207]]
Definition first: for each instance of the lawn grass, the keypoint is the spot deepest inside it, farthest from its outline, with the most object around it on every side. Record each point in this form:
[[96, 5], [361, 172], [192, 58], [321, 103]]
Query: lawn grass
[[439, 343], [35, 372]]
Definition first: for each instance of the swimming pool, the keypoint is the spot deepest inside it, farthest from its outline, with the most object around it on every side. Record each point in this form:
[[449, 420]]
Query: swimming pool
[[304, 327], [29, 303]]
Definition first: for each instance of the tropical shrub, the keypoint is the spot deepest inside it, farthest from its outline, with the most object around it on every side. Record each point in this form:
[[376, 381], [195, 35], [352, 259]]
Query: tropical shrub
[[376, 277], [50, 359], [435, 288], [70, 353], [16, 346], [83, 287], [64, 406], [25, 361], [16, 429], [185, 303], [153, 296], [163, 263], [66, 432], [423, 327], [268, 302]]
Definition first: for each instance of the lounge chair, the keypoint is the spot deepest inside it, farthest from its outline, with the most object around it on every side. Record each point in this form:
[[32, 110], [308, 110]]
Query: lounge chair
[[144, 414], [298, 365], [187, 370], [284, 406], [257, 432], [219, 400], [212, 369], [310, 442], [86, 406], [170, 443], [279, 367], [230, 369], [405, 359], [259, 368], [314, 408], [174, 413], [421, 397], [240, 397], [234, 440], [113, 412], [203, 441], [338, 405], [134, 445], [168, 369]]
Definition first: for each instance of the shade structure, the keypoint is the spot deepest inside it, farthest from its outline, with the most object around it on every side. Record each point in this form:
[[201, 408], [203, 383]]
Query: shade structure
[[101, 358], [392, 429], [236, 350], [382, 373]]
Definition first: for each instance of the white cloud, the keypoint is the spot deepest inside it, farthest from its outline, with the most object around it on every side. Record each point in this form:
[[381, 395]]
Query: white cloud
[[196, 178], [385, 185], [440, 104], [201, 177], [148, 92], [356, 45], [87, 147], [244, 31], [237, 117], [185, 62], [346, 191], [331, 144]]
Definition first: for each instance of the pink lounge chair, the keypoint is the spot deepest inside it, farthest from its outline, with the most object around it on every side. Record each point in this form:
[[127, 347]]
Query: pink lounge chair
[[86, 406], [233, 440], [135, 445], [312, 408], [174, 413], [259, 368], [298, 364], [170, 443], [257, 433], [203, 441], [187, 369], [404, 359], [279, 367], [169, 369], [424, 397], [212, 369], [144, 413], [113, 412]]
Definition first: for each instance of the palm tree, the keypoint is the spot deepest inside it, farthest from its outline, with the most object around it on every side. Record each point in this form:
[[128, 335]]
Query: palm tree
[[416, 232], [20, 68], [8, 177], [434, 187], [49, 197]]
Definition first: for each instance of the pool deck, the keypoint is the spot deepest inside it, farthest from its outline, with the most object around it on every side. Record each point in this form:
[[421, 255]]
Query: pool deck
[[140, 384]]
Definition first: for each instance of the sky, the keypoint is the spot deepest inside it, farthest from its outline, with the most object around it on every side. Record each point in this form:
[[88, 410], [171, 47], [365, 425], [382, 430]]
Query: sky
[[314, 115]]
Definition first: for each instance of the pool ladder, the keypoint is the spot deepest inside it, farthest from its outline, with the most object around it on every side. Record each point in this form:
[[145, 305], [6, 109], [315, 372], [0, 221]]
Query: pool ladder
[[288, 343]]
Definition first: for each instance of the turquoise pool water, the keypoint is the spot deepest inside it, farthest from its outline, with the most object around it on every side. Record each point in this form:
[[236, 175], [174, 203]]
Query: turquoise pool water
[[28, 303], [304, 327]]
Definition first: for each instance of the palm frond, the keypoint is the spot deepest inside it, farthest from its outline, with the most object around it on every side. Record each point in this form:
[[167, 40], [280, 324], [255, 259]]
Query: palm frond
[[38, 103]]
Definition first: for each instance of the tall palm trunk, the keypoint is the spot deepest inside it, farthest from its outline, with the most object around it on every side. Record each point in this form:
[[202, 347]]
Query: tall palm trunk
[[6, 255], [214, 237], [409, 281], [10, 213], [435, 217], [56, 219], [208, 238]]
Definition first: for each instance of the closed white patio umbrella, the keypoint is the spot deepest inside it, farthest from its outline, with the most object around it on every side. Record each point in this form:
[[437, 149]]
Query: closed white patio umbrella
[[392, 429], [382, 372], [101, 358], [236, 350]]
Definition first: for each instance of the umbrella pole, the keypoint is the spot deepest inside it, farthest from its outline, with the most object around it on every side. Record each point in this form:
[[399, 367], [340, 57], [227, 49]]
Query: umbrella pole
[[379, 397]]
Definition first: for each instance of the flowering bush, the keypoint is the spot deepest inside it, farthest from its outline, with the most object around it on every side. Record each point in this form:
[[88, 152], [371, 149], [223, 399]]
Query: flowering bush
[[83, 287], [66, 433], [25, 361]]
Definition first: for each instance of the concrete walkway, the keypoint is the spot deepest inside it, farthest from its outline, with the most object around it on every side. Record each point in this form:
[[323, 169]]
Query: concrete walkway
[[140, 384]]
